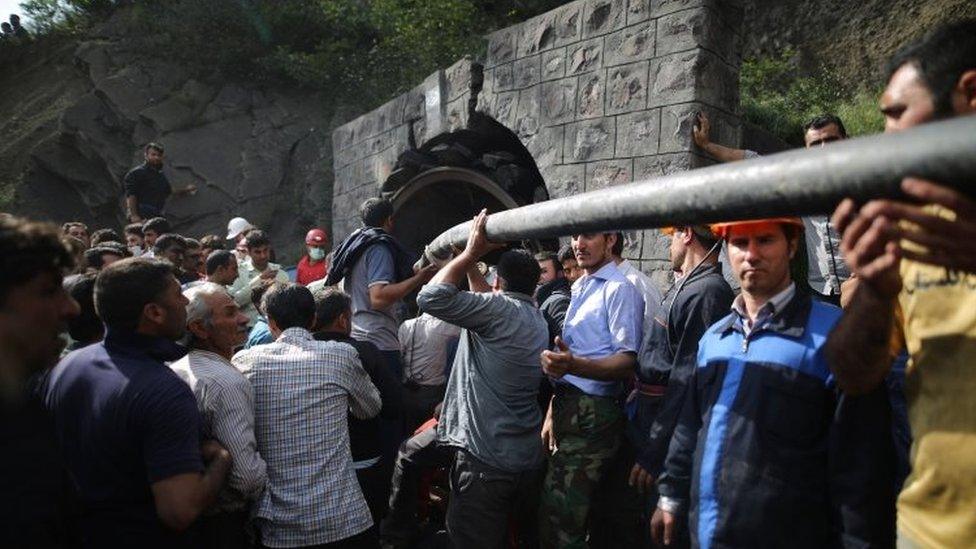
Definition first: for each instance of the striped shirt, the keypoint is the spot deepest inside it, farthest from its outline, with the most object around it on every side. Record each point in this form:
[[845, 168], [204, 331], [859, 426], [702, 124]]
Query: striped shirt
[[303, 390], [226, 404]]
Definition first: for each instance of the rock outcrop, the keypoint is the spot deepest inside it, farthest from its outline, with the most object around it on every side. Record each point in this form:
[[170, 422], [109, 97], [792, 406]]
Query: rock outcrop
[[80, 116]]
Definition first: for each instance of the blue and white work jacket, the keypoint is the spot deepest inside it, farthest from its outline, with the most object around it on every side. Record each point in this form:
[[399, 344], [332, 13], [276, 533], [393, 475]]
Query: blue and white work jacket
[[749, 457]]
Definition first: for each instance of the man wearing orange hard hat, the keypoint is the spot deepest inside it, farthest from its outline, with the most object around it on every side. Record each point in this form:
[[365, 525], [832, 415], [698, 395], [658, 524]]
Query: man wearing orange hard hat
[[313, 265], [755, 427]]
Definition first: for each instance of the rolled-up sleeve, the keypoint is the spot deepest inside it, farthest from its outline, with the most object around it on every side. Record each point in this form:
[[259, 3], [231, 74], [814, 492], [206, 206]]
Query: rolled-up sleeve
[[464, 309], [625, 317]]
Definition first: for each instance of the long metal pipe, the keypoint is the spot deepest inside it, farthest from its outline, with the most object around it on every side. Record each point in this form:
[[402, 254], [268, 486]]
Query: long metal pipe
[[799, 182]]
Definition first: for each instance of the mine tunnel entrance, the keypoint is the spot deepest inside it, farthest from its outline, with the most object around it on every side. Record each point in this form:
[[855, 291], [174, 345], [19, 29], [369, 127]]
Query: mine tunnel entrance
[[454, 175]]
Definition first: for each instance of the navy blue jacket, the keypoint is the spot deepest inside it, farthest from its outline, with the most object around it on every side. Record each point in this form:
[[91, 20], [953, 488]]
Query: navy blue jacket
[[749, 456]]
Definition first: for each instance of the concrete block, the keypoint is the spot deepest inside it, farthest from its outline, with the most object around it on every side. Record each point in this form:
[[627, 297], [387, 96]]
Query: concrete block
[[457, 79], [503, 77], [630, 44], [562, 181], [502, 46], [527, 72], [506, 108], [413, 105], [537, 34], [590, 140], [627, 88], [696, 28], [718, 82], [554, 64], [558, 101], [657, 245], [638, 11], [648, 167], [569, 23], [603, 16], [672, 79], [633, 244], [529, 112], [609, 173], [638, 133], [457, 113], [585, 56], [677, 122], [546, 145], [592, 90], [660, 272]]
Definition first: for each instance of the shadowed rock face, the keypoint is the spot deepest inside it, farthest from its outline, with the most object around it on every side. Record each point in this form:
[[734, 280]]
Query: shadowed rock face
[[264, 155]]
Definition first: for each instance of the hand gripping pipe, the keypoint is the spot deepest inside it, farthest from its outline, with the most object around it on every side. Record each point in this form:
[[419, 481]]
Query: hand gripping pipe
[[792, 183]]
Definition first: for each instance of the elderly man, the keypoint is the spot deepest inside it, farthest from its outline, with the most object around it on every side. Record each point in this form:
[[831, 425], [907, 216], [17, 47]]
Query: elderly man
[[215, 326]]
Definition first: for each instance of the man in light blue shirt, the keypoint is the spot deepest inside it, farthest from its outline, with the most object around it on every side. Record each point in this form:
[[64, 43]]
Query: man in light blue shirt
[[584, 424]]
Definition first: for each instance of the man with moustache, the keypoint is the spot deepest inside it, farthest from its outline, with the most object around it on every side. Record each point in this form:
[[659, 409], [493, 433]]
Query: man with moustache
[[215, 327], [596, 353]]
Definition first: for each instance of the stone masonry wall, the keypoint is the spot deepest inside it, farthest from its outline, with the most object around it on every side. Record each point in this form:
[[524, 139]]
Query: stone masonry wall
[[601, 92]]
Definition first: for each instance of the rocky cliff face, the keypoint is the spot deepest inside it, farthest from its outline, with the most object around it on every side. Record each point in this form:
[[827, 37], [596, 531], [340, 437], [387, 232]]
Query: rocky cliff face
[[75, 120]]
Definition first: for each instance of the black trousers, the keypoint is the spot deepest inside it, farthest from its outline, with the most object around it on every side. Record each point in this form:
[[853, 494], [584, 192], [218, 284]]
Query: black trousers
[[417, 454], [418, 404], [484, 499], [224, 531]]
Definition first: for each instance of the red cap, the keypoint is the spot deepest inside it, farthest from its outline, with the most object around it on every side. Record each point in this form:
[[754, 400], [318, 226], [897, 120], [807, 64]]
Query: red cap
[[316, 237]]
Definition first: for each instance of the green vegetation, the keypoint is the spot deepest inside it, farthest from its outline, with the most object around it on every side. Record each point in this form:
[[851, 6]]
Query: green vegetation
[[361, 53], [356, 52], [775, 97]]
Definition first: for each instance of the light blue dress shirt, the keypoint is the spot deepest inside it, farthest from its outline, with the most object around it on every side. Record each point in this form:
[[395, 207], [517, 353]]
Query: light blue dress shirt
[[605, 317]]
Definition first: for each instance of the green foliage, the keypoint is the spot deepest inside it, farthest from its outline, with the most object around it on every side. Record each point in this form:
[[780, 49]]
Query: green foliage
[[776, 97], [359, 52]]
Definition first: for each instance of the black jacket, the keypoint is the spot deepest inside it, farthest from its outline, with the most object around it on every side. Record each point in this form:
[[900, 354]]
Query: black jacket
[[347, 253], [689, 308], [553, 298]]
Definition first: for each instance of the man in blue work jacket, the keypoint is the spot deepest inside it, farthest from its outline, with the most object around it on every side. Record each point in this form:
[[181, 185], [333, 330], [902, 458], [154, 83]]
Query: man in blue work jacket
[[749, 461]]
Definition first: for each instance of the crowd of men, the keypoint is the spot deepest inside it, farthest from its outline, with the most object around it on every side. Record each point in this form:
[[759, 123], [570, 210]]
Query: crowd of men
[[205, 399]]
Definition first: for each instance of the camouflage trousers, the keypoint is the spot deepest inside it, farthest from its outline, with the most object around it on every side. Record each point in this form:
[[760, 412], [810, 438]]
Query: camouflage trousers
[[588, 432]]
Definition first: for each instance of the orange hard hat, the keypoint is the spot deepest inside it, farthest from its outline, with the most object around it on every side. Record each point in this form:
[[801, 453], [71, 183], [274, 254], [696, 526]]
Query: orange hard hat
[[722, 229], [316, 237]]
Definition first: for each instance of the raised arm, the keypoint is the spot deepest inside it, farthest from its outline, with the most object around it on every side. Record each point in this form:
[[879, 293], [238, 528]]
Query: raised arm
[[858, 348], [700, 133]]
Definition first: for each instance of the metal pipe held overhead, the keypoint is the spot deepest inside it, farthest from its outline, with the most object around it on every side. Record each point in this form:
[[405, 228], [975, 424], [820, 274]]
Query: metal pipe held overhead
[[793, 183]]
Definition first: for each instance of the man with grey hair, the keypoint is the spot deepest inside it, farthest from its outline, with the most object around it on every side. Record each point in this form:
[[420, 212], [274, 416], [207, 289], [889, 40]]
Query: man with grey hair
[[215, 326]]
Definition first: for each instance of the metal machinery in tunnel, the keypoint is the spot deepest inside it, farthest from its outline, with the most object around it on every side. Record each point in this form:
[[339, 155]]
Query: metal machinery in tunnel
[[454, 175]]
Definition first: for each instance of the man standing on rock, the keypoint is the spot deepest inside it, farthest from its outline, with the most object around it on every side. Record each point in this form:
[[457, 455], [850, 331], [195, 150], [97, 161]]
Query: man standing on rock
[[147, 188]]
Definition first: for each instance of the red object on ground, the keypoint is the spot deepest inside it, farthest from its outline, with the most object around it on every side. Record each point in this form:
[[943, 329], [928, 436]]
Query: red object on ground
[[309, 272]]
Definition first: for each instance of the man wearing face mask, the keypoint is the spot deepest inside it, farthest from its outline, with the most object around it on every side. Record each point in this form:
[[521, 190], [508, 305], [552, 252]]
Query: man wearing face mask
[[313, 266]]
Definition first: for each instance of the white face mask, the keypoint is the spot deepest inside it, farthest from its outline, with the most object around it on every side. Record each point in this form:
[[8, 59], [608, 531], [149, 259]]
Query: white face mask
[[136, 250], [316, 253]]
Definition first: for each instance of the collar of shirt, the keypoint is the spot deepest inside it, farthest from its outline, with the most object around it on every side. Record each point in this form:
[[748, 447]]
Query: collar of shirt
[[766, 310], [210, 357], [156, 347], [603, 273], [295, 334], [520, 295]]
